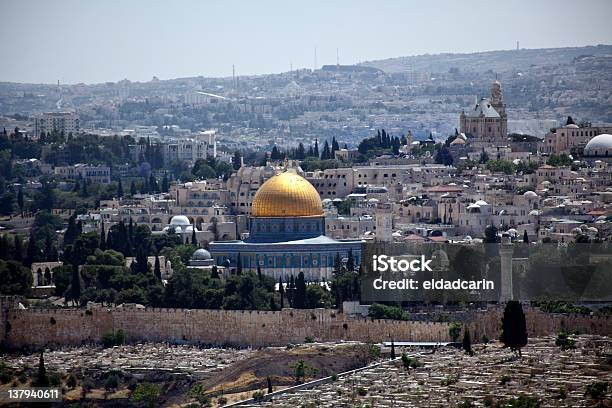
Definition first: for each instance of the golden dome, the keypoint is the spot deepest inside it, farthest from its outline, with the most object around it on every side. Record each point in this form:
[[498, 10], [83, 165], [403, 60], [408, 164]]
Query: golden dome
[[286, 195]]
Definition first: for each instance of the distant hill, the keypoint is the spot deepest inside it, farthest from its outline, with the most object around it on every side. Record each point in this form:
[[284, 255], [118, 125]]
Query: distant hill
[[497, 61]]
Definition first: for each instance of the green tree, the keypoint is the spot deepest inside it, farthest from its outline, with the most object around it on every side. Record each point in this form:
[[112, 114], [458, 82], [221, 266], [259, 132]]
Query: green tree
[[7, 203], [514, 327], [147, 394], [16, 279], [454, 330]]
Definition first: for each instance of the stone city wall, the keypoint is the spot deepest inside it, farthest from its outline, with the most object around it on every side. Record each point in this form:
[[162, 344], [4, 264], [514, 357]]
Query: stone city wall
[[38, 327]]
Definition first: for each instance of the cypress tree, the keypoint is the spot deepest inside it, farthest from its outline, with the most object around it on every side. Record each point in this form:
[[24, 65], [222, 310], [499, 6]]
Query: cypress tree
[[4, 252], [31, 252], [42, 380], [20, 200], [316, 148], [119, 189], [525, 237], [50, 252], [165, 184], [102, 237], [514, 327], [133, 190], [291, 291], [337, 263], [157, 268], [269, 385], [392, 350], [467, 342], [18, 254], [334, 148], [326, 154], [350, 263], [194, 240], [239, 265], [75, 285], [131, 230], [214, 272], [259, 272], [300, 292], [281, 290], [71, 232]]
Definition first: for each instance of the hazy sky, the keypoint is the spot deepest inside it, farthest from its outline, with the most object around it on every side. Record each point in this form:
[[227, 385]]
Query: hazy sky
[[109, 40]]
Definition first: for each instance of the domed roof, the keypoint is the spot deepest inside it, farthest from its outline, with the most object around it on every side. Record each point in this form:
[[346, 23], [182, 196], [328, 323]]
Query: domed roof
[[603, 141], [287, 195], [481, 203], [201, 255], [179, 220], [530, 194], [572, 126]]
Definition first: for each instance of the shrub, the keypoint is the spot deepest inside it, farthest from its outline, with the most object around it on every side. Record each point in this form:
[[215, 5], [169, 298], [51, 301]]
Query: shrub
[[409, 362], [362, 391], [71, 381], [112, 382], [88, 384], [379, 311], [111, 339], [55, 379], [564, 341], [258, 396], [6, 373], [334, 377], [221, 401], [308, 339], [596, 390], [504, 379], [454, 331], [523, 401]]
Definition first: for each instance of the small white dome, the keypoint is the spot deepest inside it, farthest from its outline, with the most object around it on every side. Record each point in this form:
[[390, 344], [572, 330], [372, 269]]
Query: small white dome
[[179, 220], [481, 203], [530, 194], [572, 126], [201, 255], [534, 212]]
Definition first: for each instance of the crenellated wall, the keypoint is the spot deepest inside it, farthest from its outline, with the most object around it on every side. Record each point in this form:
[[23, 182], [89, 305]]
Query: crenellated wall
[[38, 327]]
